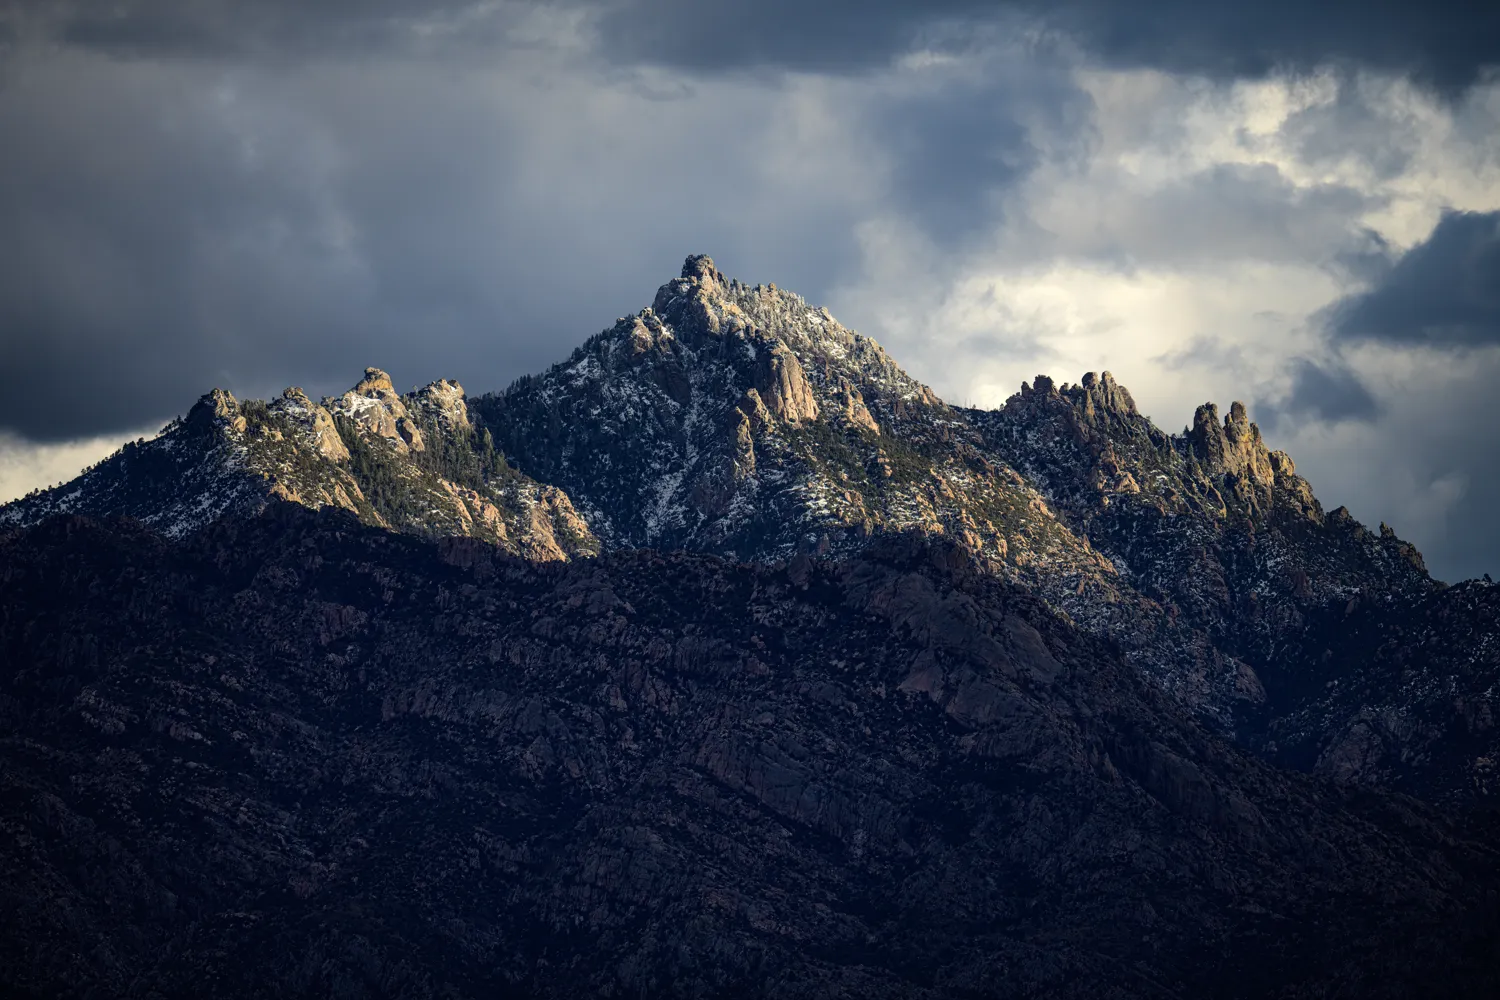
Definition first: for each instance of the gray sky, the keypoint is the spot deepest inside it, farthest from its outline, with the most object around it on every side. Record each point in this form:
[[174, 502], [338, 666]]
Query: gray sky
[[1292, 207]]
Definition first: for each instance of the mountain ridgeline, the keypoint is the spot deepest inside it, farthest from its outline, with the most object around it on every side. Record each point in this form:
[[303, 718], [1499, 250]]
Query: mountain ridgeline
[[725, 658], [741, 421], [413, 463]]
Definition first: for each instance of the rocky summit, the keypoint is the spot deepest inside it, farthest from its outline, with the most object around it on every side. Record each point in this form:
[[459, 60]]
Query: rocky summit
[[724, 658]]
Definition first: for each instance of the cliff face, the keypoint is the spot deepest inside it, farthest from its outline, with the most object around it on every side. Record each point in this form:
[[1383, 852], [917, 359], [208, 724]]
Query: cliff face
[[296, 755]]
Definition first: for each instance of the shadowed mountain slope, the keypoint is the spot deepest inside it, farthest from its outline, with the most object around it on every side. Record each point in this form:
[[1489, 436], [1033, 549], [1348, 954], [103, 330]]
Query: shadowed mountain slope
[[1395, 694], [293, 754]]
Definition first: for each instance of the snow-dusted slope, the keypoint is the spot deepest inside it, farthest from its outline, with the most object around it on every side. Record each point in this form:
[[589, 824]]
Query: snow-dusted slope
[[195, 471], [744, 421], [1211, 523], [413, 463]]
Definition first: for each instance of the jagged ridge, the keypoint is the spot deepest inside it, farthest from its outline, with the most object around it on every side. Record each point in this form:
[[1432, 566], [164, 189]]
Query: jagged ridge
[[1210, 522], [413, 463]]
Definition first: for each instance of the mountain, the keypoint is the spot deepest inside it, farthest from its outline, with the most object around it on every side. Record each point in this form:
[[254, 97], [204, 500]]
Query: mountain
[[413, 463], [726, 659], [294, 754], [742, 422]]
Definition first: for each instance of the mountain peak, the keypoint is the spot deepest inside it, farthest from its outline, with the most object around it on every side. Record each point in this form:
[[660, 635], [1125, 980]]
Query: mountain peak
[[214, 410], [314, 421], [700, 266], [1235, 446], [375, 381], [377, 409], [445, 400], [1094, 396], [743, 421], [1104, 393]]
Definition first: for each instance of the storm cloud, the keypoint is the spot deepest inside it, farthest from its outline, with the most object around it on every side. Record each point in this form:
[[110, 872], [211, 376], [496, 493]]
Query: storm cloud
[[1448, 44], [178, 224], [1444, 292], [1330, 393], [270, 29], [172, 228]]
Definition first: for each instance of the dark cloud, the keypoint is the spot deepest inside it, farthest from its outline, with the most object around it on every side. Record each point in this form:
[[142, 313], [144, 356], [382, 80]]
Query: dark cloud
[[170, 228], [1424, 459], [1466, 544], [264, 28], [1448, 44], [948, 150], [176, 224], [1329, 393], [831, 36], [1465, 541], [1443, 443], [142, 244], [1444, 292], [956, 142], [1366, 260]]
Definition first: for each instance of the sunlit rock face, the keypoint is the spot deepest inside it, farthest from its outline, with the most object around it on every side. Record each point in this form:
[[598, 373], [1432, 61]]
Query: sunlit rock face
[[413, 463], [314, 421], [1220, 532], [375, 407]]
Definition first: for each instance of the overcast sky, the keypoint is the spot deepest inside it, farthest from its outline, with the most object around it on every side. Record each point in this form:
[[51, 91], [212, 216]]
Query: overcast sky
[[1297, 208]]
